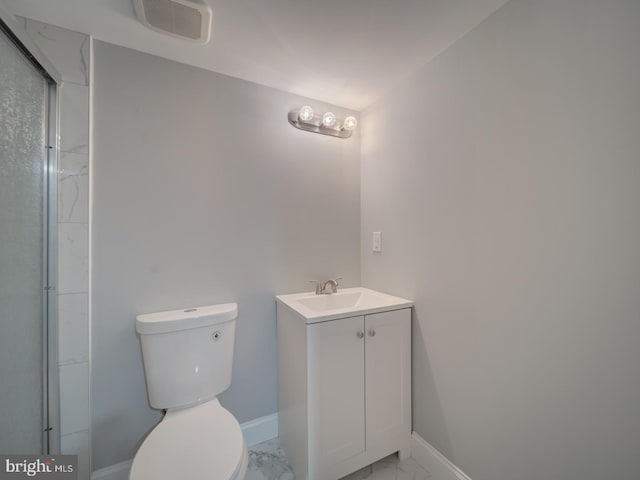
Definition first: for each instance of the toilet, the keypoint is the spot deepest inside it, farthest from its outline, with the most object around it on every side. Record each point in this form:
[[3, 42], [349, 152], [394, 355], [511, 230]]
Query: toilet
[[188, 358]]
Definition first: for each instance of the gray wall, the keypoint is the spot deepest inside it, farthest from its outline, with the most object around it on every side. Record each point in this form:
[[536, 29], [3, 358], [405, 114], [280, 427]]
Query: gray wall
[[505, 177], [203, 193]]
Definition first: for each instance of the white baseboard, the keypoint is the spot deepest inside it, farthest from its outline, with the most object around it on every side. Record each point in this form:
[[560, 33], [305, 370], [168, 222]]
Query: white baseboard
[[433, 461], [255, 431], [260, 429]]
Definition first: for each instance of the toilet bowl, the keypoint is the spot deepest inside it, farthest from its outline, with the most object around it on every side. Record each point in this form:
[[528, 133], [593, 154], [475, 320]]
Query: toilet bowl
[[188, 357], [202, 442]]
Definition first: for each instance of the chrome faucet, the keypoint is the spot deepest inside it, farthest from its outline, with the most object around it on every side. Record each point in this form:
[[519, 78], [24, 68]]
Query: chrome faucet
[[318, 286], [330, 286]]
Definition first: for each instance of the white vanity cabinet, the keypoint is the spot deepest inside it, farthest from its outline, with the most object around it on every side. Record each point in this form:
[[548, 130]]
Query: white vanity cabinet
[[344, 390]]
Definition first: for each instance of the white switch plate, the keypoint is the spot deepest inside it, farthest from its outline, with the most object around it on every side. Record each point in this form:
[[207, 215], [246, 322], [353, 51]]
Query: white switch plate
[[376, 242]]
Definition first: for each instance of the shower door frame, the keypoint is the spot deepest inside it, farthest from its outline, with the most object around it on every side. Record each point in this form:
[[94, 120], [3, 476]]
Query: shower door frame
[[51, 391], [16, 34]]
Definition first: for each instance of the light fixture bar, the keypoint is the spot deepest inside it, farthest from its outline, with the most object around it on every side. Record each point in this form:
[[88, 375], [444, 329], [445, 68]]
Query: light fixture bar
[[315, 125]]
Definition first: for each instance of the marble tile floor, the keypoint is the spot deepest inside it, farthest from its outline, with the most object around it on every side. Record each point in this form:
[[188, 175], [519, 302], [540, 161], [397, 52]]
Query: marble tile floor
[[267, 461]]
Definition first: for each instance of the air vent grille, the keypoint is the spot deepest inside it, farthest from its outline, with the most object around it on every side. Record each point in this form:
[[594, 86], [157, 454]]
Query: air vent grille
[[186, 19]]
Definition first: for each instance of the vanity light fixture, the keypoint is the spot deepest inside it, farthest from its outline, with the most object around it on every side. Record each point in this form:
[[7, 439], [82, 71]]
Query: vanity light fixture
[[306, 114], [326, 123], [350, 123], [329, 120]]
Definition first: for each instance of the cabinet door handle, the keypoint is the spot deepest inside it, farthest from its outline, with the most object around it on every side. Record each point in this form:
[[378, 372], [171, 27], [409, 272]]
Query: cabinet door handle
[[372, 332], [360, 334]]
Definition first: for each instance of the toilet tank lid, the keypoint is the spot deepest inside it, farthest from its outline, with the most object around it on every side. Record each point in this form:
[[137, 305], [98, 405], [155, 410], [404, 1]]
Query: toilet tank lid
[[185, 318]]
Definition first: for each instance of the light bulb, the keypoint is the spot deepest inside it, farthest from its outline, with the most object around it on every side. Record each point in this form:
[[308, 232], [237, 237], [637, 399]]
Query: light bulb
[[328, 119], [350, 123], [306, 113]]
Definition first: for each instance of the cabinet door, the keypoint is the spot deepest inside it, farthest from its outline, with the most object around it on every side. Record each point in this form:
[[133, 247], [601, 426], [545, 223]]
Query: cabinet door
[[336, 392], [388, 379]]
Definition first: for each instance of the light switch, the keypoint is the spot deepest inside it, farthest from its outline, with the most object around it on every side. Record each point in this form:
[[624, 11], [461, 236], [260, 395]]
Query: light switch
[[377, 242]]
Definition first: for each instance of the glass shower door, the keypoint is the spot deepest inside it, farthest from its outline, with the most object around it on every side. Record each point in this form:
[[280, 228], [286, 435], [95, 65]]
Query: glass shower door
[[23, 253]]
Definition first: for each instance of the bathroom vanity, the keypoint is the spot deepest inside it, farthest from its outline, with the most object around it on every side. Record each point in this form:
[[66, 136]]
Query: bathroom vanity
[[344, 380]]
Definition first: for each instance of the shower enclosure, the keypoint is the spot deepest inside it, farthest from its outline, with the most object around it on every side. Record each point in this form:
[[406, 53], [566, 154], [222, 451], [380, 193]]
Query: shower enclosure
[[28, 374]]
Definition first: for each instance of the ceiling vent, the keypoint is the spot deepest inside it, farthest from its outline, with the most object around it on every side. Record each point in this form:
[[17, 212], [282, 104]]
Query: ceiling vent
[[185, 19]]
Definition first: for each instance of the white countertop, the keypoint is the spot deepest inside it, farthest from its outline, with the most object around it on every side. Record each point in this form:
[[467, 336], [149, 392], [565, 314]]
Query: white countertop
[[347, 302]]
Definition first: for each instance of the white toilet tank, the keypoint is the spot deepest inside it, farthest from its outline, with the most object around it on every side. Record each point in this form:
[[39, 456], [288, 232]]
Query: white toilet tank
[[187, 354]]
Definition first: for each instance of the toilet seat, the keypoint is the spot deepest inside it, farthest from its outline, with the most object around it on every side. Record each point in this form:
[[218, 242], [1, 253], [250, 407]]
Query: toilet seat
[[204, 442]]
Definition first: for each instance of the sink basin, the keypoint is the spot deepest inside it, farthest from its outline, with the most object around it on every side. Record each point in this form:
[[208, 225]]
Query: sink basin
[[341, 300], [348, 302]]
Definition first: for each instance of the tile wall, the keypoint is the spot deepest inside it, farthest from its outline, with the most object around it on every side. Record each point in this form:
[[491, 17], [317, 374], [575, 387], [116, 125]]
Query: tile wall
[[69, 52]]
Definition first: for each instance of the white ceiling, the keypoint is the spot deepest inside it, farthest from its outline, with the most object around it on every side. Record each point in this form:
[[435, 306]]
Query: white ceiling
[[345, 52]]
